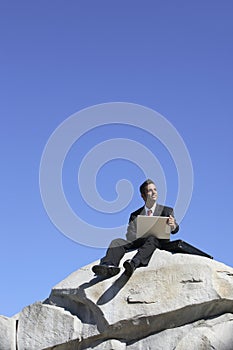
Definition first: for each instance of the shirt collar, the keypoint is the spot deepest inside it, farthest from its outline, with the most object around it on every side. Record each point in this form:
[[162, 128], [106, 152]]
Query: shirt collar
[[152, 208]]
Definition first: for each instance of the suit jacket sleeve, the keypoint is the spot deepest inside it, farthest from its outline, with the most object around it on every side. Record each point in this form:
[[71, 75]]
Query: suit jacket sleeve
[[132, 225], [167, 211], [177, 227], [132, 228]]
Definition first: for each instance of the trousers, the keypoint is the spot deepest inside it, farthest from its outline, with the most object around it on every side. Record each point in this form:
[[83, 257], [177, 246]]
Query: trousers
[[145, 246]]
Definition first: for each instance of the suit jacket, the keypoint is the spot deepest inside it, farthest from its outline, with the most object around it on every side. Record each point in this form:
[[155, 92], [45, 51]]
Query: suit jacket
[[160, 210]]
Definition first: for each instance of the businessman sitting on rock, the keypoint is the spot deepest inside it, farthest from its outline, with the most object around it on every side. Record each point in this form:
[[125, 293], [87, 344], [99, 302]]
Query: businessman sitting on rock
[[145, 245]]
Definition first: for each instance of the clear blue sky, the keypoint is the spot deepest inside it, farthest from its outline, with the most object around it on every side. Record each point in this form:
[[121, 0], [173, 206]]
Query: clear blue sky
[[58, 57]]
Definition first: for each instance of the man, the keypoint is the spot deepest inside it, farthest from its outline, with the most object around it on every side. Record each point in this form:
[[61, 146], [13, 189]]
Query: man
[[109, 264]]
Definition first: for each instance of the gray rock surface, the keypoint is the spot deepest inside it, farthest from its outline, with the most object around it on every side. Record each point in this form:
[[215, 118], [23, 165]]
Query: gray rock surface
[[41, 325], [170, 283], [178, 302], [216, 333], [7, 333]]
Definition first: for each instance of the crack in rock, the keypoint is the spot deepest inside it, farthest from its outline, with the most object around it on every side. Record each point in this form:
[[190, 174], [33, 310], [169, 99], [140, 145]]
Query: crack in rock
[[130, 300], [226, 273], [193, 280]]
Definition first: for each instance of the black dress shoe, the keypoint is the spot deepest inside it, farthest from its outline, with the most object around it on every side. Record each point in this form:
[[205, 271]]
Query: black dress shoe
[[129, 267], [105, 270]]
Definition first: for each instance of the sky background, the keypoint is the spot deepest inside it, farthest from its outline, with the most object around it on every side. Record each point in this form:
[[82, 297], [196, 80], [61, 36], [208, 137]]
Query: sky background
[[59, 57]]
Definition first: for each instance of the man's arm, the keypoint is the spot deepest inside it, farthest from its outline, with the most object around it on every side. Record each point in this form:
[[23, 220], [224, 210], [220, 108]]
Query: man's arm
[[168, 211], [132, 225], [172, 222]]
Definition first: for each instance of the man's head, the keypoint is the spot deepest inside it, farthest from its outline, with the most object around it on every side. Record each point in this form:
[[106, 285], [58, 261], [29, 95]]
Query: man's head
[[149, 192]]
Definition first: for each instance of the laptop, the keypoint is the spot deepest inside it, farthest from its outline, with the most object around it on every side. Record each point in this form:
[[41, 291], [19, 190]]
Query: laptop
[[153, 225]]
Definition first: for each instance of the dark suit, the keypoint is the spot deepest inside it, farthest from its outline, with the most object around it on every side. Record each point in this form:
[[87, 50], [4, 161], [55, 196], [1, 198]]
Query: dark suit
[[145, 245], [160, 210]]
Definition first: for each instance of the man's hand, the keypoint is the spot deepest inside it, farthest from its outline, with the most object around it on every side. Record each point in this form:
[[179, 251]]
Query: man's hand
[[171, 222]]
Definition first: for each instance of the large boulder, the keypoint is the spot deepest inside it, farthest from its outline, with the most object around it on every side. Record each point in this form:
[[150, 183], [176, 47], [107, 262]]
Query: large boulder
[[178, 302], [170, 295], [216, 333]]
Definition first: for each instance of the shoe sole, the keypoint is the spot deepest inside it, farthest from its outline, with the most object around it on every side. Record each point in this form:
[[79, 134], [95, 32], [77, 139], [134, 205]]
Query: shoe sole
[[105, 271]]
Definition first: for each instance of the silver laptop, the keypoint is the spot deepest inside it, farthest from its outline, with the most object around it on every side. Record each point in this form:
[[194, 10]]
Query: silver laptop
[[153, 225]]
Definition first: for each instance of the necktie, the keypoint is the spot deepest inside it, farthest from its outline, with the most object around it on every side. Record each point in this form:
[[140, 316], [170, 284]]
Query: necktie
[[149, 212]]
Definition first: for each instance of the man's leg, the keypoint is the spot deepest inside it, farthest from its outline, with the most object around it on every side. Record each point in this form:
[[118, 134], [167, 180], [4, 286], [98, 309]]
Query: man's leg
[[109, 263], [115, 252], [145, 252], [143, 255]]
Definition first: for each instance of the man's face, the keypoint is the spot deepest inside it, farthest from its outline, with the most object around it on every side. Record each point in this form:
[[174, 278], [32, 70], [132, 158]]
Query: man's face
[[151, 194]]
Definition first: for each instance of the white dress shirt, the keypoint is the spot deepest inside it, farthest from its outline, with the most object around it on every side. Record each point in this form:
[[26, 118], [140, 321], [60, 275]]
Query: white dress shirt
[[152, 209]]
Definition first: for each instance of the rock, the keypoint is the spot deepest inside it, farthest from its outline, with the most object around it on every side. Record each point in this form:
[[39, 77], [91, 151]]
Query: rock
[[111, 344], [212, 334], [216, 333], [173, 291], [178, 302], [42, 325], [7, 333]]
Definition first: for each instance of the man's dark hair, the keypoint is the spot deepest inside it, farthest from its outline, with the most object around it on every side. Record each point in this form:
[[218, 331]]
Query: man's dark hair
[[145, 184]]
